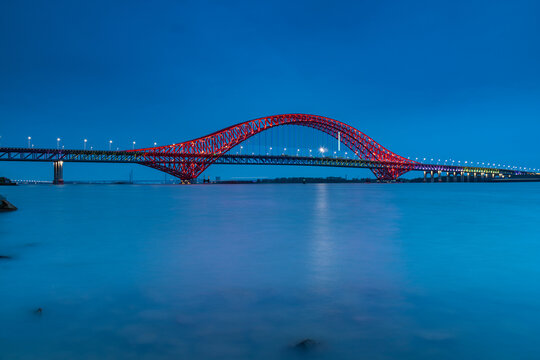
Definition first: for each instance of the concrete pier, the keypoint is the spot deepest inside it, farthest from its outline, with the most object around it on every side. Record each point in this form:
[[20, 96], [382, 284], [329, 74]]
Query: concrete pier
[[58, 173]]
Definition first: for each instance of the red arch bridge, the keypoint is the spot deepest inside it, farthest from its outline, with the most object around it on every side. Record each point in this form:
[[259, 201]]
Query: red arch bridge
[[187, 160]]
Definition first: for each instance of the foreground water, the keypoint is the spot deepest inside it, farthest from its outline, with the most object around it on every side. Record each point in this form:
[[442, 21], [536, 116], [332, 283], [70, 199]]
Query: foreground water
[[374, 271]]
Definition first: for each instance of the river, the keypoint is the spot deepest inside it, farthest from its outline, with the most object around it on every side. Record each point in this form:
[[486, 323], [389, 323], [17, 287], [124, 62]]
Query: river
[[372, 271]]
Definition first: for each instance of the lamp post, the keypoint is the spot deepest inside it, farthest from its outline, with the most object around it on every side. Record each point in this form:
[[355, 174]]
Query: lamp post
[[58, 143], [29, 139], [85, 140], [133, 147], [110, 144]]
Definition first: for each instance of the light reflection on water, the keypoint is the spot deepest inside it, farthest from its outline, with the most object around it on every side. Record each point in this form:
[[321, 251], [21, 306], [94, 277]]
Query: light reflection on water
[[416, 271]]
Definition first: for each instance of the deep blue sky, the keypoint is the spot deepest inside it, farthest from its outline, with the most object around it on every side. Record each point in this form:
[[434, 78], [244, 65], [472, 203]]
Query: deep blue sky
[[456, 79]]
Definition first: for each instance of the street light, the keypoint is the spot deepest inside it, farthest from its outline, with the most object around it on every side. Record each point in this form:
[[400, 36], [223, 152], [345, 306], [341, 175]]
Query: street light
[[133, 147], [58, 143], [29, 138], [85, 140], [110, 144]]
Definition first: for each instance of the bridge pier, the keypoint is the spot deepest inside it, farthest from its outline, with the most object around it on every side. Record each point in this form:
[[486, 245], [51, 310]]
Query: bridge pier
[[425, 174], [58, 178], [439, 173], [432, 176]]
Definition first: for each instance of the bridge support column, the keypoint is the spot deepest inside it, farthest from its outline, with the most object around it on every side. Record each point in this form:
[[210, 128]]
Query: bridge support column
[[425, 174], [462, 176], [432, 176], [439, 176], [474, 177], [455, 176], [58, 173]]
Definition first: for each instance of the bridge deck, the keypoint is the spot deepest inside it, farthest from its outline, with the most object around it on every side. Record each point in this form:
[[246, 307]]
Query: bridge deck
[[146, 158]]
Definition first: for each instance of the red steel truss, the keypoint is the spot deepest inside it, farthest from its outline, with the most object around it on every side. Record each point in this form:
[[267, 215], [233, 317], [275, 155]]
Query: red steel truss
[[189, 159]]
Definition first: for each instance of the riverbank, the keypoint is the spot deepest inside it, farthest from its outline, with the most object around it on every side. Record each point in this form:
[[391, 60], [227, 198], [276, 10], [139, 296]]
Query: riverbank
[[6, 181]]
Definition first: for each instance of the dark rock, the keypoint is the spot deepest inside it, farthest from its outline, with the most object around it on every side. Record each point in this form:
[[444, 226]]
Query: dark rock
[[306, 344], [6, 205], [39, 311], [5, 257]]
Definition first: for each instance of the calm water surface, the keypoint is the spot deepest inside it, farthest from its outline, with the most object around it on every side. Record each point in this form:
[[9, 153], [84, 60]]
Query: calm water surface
[[374, 271]]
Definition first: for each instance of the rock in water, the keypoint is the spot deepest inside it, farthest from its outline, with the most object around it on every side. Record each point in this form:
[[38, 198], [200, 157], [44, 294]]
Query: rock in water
[[306, 344], [5, 257], [6, 205]]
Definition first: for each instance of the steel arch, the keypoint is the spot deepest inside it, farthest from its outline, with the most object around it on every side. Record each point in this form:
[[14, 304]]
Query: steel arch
[[183, 160]]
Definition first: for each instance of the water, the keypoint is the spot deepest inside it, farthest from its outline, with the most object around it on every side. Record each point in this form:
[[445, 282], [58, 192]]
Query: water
[[374, 271]]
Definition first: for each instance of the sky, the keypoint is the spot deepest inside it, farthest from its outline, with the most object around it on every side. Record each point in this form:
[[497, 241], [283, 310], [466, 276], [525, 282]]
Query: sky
[[444, 79]]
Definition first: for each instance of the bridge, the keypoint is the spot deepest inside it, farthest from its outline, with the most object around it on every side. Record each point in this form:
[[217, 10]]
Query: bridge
[[187, 160]]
